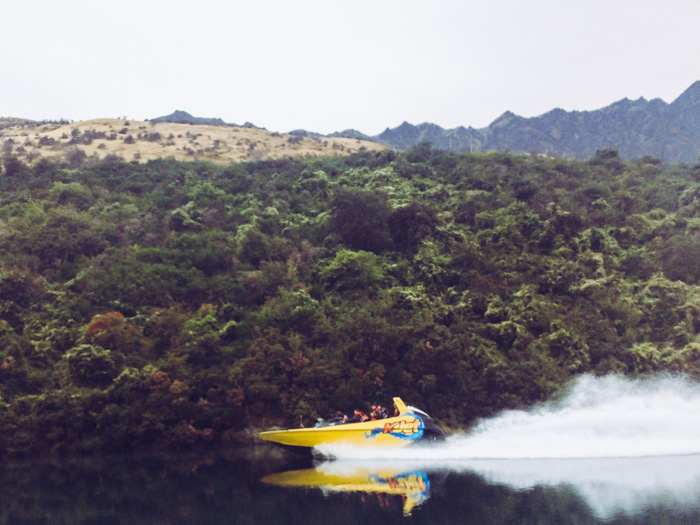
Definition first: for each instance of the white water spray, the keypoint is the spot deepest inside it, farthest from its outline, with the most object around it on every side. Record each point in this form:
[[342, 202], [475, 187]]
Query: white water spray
[[622, 444], [597, 418]]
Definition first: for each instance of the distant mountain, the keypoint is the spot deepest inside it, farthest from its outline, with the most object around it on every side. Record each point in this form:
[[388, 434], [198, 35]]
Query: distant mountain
[[670, 132], [182, 117], [407, 135], [351, 134]]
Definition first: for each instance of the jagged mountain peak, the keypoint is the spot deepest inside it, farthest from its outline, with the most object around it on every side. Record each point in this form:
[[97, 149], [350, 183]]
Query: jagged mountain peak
[[405, 125], [634, 127], [507, 118], [626, 104], [689, 98]]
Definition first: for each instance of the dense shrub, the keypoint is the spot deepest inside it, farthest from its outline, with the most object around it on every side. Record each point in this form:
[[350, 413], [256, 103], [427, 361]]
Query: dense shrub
[[361, 219], [167, 304]]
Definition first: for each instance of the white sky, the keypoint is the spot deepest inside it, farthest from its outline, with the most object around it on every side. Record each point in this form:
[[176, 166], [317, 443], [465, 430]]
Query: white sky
[[327, 65]]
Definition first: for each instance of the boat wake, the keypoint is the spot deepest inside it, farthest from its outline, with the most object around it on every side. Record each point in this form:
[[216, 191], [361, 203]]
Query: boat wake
[[596, 418], [623, 445]]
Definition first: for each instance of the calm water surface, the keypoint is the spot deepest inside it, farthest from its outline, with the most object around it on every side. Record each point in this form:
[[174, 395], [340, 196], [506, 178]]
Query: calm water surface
[[636, 444], [253, 487]]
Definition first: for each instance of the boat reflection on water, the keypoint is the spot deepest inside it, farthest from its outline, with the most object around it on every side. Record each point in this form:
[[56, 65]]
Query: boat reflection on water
[[596, 489], [412, 485]]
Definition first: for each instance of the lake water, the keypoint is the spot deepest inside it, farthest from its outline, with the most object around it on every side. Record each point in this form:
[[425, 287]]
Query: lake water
[[610, 451], [226, 488]]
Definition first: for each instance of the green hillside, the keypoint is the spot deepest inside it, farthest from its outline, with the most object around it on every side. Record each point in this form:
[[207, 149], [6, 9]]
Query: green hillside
[[170, 304]]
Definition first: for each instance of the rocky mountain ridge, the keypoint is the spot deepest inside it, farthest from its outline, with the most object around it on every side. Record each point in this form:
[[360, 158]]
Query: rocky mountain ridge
[[670, 132], [636, 128]]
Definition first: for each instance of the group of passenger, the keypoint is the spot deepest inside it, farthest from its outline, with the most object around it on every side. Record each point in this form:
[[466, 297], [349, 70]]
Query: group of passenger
[[378, 412]]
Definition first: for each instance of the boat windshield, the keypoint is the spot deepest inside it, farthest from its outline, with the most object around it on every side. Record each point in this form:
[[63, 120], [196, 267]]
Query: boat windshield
[[417, 411]]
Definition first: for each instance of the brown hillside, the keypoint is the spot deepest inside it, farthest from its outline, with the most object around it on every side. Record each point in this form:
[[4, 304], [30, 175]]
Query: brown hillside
[[142, 141]]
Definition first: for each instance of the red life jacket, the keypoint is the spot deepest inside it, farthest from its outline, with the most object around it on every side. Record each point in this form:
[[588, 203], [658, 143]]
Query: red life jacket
[[377, 413]]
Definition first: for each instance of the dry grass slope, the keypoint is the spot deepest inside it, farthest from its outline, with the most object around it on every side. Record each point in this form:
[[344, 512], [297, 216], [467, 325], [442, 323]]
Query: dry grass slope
[[142, 141]]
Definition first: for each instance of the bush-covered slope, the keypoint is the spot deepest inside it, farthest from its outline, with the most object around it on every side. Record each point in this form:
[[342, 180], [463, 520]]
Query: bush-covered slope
[[168, 304]]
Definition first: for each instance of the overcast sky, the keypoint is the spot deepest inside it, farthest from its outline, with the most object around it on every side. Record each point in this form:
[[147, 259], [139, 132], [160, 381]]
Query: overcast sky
[[328, 65]]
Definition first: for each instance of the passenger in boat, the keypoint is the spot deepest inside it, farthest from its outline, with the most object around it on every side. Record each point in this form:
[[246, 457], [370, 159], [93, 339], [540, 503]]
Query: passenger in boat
[[357, 417], [378, 412], [338, 418]]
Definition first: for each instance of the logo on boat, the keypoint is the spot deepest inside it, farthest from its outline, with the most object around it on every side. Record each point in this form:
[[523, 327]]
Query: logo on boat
[[410, 428]]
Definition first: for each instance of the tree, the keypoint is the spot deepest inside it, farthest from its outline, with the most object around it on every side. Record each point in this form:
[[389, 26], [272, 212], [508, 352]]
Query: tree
[[75, 158], [90, 365], [353, 270], [13, 166], [111, 331], [409, 224], [421, 152], [361, 219], [610, 159]]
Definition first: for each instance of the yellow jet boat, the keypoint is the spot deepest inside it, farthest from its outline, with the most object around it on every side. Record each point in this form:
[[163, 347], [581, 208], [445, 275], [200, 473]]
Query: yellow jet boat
[[410, 426]]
